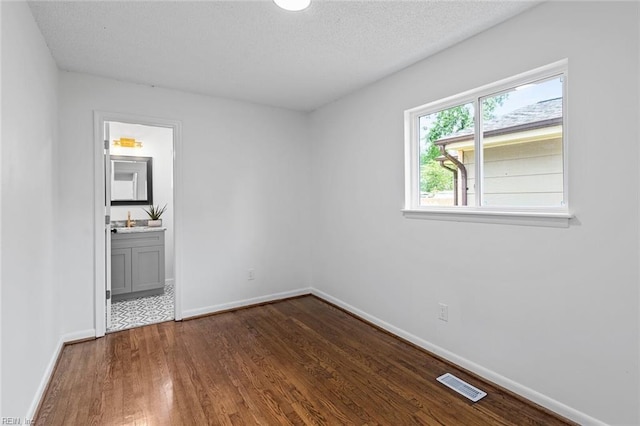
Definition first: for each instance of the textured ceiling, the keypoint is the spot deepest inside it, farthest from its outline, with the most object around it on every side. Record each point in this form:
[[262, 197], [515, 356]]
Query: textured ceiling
[[254, 51]]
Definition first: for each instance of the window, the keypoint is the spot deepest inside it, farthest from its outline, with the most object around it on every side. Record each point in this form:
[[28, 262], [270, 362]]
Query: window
[[499, 150]]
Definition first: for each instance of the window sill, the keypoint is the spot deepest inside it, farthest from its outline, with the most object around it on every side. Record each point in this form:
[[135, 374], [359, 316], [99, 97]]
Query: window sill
[[524, 218]]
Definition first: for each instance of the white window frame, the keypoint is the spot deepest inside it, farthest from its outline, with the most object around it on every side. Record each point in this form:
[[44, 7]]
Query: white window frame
[[536, 216]]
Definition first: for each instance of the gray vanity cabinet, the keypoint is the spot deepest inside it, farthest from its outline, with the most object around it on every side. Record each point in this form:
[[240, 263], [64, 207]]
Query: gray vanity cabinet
[[120, 271], [137, 264]]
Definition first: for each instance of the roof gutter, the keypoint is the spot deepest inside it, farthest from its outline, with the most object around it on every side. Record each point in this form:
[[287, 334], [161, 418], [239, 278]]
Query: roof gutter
[[503, 131], [441, 160]]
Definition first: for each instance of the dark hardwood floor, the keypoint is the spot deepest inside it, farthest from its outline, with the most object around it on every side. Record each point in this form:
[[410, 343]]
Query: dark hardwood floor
[[298, 361]]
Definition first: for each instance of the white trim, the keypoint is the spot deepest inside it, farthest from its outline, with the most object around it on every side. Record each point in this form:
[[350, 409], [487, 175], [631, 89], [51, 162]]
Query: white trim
[[99, 118], [525, 218], [107, 211], [178, 207], [48, 372], [246, 302], [565, 136], [98, 211], [478, 146], [486, 373], [78, 335]]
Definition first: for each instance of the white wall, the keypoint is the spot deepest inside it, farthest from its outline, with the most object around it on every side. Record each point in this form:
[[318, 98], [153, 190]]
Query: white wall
[[553, 310], [157, 143], [30, 319], [245, 175]]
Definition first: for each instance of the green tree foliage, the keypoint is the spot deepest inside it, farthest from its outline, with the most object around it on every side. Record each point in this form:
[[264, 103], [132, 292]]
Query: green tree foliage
[[433, 177], [447, 122]]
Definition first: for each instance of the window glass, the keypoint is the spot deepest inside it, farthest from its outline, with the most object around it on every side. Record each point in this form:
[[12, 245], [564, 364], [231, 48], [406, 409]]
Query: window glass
[[522, 149], [443, 178]]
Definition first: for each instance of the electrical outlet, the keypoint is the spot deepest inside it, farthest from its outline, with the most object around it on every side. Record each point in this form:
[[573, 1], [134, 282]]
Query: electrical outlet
[[443, 313], [251, 275]]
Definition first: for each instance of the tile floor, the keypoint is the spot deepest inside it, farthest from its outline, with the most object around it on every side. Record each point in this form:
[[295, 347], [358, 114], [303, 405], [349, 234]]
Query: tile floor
[[142, 310]]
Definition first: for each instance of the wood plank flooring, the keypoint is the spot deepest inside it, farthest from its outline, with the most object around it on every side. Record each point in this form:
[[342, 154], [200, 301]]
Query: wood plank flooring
[[295, 362]]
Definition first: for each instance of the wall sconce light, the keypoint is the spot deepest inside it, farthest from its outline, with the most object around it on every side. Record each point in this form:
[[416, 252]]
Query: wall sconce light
[[127, 143]]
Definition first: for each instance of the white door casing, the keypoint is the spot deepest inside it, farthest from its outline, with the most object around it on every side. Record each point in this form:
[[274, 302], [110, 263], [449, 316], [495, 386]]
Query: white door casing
[[107, 223], [100, 236]]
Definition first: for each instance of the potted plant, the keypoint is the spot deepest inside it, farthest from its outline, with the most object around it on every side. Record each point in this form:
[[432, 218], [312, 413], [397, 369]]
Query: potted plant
[[155, 212]]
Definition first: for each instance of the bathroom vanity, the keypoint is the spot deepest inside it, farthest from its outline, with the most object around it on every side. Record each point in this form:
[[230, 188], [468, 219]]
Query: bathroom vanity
[[137, 262]]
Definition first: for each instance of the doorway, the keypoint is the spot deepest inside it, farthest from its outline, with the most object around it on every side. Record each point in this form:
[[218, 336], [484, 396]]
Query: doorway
[[136, 276]]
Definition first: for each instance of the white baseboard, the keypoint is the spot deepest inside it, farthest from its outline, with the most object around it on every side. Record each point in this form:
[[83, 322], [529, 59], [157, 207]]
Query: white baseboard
[[70, 337], [490, 375], [78, 335], [246, 302], [169, 281]]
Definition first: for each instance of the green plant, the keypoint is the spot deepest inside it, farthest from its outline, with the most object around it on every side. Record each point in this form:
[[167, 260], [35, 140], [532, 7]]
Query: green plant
[[155, 212]]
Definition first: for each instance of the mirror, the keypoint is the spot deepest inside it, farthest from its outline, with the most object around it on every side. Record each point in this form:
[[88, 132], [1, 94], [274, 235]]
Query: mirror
[[131, 181]]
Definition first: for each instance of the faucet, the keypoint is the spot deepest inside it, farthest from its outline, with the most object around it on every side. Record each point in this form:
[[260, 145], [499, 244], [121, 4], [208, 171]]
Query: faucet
[[130, 222]]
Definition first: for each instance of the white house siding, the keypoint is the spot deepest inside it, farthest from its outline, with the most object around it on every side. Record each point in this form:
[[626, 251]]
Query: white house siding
[[526, 174]]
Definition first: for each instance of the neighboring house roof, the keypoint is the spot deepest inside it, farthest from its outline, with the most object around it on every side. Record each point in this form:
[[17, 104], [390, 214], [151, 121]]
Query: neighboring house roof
[[541, 114]]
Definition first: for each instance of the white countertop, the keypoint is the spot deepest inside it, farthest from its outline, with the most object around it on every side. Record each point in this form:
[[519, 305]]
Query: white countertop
[[134, 229]]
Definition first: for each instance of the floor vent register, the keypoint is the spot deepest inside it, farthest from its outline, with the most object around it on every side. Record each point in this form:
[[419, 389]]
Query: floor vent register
[[462, 387]]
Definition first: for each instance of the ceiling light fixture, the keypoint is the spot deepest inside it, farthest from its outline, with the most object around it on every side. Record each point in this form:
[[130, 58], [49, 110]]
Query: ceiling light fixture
[[293, 5]]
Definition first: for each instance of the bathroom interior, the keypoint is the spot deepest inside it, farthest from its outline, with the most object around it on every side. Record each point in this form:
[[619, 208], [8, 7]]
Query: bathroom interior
[[140, 259]]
